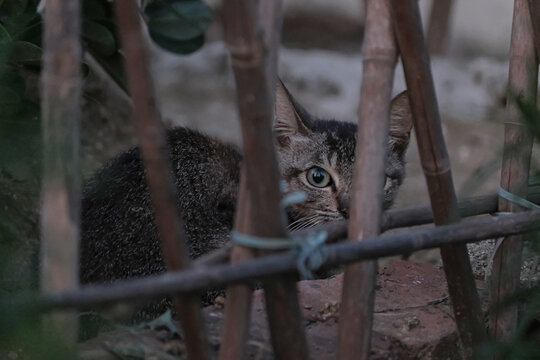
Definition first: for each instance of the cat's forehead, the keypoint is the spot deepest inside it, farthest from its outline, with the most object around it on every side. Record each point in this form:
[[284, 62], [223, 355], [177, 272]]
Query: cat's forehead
[[339, 138], [330, 143]]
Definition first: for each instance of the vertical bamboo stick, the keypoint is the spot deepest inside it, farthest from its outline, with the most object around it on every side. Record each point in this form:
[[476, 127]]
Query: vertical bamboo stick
[[238, 303], [255, 90], [439, 26], [518, 139], [152, 140], [379, 61], [437, 170], [60, 108]]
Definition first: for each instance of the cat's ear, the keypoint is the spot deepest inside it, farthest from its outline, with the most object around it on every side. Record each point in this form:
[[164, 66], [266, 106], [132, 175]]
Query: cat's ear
[[401, 122], [289, 116]]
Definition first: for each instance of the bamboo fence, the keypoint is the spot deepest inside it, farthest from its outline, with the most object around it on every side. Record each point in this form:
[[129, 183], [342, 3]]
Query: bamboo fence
[[196, 279], [252, 40]]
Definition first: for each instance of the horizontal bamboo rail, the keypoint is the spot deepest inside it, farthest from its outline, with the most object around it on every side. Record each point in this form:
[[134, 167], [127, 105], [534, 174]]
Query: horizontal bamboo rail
[[391, 219], [152, 139], [196, 279]]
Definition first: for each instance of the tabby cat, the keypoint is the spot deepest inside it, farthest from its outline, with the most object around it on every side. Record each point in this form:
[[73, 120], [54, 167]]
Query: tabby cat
[[119, 237]]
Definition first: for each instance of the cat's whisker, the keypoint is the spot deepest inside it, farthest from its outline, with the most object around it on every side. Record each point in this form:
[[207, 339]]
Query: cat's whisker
[[313, 222], [299, 222], [309, 223]]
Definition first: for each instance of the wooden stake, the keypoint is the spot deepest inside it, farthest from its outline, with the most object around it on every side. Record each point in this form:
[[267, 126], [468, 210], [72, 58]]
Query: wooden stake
[[60, 110], [255, 92], [153, 144], [518, 139], [437, 171], [379, 60], [238, 303]]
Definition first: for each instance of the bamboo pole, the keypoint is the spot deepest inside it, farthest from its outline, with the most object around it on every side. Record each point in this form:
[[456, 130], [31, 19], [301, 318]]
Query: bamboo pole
[[195, 279], [153, 142], [437, 171], [255, 89], [439, 26], [238, 300], [60, 110], [518, 139], [358, 295]]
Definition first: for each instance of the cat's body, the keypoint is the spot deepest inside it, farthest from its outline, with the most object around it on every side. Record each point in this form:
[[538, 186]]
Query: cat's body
[[119, 237], [118, 227]]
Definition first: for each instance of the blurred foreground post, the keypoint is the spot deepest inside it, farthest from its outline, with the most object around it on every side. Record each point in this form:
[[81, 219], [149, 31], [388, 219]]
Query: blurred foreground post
[[60, 111], [379, 60], [253, 63], [437, 170], [518, 140], [238, 307], [153, 143]]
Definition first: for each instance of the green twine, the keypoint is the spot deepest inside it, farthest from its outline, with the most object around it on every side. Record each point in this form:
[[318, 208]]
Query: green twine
[[310, 248], [518, 200], [311, 252]]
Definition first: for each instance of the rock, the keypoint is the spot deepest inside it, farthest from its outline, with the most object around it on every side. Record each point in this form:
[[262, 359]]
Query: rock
[[412, 319]]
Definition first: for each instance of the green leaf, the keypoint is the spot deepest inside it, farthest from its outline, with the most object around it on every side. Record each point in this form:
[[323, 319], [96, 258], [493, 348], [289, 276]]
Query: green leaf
[[114, 66], [20, 142], [98, 38], [13, 81], [178, 19], [15, 21], [178, 47], [31, 33], [92, 9], [4, 35], [14, 7], [25, 53], [10, 102]]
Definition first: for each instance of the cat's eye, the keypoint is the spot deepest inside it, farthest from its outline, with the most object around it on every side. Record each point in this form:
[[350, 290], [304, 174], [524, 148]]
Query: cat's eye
[[318, 177]]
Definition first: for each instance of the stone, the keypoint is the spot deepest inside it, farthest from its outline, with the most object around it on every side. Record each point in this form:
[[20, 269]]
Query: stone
[[412, 319]]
